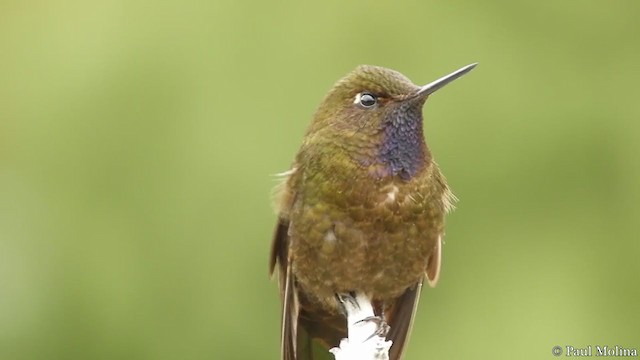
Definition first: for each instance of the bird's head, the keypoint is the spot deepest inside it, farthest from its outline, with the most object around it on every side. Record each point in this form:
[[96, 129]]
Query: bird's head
[[376, 114]]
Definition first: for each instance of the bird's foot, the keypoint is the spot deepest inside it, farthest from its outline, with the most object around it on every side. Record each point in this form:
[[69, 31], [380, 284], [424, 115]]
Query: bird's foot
[[366, 331], [359, 312], [382, 328]]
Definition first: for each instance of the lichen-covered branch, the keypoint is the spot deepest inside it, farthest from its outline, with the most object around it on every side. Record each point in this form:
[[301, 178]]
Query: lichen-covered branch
[[365, 332]]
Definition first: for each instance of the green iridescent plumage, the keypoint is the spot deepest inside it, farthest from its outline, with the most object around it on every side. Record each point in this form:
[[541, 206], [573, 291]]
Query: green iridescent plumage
[[361, 210]]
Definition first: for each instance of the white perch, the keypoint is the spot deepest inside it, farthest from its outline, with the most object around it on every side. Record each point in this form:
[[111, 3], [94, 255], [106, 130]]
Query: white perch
[[364, 339]]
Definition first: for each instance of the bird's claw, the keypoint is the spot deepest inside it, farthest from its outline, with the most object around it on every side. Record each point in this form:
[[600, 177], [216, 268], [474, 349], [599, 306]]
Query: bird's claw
[[353, 309], [382, 328]]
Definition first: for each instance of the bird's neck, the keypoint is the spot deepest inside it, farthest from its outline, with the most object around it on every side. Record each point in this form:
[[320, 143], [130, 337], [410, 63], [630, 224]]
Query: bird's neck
[[402, 149], [395, 148]]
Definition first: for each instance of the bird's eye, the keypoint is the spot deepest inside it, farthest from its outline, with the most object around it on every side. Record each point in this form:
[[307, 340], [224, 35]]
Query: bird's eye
[[366, 100]]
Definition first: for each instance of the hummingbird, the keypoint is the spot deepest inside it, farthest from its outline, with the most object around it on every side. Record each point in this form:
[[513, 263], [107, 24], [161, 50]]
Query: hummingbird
[[361, 210]]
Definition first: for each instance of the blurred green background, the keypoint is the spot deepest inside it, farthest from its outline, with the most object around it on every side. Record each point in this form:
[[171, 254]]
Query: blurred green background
[[137, 141]]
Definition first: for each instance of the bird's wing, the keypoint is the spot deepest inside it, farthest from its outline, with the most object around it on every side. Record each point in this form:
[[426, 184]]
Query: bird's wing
[[433, 264], [403, 312], [400, 320], [279, 250], [280, 257], [297, 343], [305, 336]]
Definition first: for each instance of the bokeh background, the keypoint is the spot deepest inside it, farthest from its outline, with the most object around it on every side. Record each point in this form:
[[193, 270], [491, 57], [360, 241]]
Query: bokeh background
[[138, 139]]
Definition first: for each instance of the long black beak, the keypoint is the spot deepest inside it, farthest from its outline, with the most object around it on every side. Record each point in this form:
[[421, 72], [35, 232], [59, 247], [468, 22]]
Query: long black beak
[[433, 86]]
